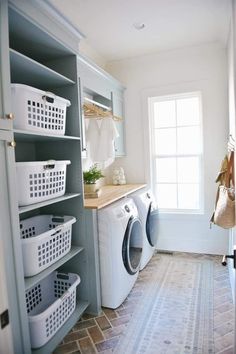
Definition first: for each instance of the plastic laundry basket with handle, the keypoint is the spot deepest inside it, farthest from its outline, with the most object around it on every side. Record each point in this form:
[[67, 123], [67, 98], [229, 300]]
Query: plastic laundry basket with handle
[[49, 304], [40, 180], [44, 239], [37, 110]]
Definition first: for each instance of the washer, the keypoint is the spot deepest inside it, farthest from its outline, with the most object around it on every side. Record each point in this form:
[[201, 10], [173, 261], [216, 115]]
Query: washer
[[120, 250], [148, 214]]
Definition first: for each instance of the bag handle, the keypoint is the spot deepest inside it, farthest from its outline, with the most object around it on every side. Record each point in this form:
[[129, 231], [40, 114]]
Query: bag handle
[[232, 167], [230, 170], [216, 201]]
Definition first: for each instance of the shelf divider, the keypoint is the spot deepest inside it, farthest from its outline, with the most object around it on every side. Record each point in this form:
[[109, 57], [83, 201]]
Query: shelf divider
[[24, 135], [30, 281], [57, 338], [27, 71], [24, 209]]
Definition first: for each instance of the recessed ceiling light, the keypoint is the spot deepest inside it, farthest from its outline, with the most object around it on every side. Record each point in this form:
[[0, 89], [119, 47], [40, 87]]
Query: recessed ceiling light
[[139, 25]]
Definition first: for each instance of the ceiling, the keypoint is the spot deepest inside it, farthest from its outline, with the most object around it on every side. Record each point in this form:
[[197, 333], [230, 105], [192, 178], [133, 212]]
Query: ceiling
[[169, 24]]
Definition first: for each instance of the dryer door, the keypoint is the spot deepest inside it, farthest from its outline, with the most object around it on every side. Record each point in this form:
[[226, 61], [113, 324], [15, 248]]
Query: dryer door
[[131, 252], [151, 224]]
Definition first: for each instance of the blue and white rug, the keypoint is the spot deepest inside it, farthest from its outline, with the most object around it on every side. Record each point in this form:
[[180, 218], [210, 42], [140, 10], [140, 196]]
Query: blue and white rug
[[175, 315]]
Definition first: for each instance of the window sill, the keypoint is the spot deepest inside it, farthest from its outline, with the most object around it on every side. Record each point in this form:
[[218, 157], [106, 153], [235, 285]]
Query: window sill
[[183, 214]]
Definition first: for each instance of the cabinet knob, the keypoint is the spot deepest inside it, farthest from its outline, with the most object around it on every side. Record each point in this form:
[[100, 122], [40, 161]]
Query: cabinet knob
[[10, 116], [12, 144]]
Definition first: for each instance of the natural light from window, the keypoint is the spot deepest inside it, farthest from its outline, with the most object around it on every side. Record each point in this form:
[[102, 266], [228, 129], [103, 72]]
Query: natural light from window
[[176, 137]]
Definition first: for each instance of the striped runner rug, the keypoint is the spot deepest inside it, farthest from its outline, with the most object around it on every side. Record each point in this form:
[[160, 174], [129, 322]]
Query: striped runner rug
[[175, 314]]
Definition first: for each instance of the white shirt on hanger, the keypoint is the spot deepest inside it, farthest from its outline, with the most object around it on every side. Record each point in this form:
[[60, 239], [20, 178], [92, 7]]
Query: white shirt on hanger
[[101, 135], [108, 134]]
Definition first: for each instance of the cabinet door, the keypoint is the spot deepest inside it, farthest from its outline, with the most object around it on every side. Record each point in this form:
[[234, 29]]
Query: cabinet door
[[11, 281], [118, 110], [5, 93], [82, 120], [5, 328]]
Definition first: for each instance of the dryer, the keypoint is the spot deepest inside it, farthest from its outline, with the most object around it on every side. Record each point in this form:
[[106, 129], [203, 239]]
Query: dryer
[[148, 213], [120, 250]]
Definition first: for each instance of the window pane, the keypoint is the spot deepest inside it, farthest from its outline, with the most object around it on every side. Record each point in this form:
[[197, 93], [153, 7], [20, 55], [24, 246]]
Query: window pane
[[165, 141], [167, 196], [166, 170], [188, 196], [164, 114], [188, 140], [188, 111], [188, 170]]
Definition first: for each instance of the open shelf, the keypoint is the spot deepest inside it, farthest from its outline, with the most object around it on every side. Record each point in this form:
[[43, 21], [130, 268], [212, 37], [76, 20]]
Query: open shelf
[[27, 136], [27, 71], [89, 100], [29, 38], [57, 338], [31, 281], [24, 209]]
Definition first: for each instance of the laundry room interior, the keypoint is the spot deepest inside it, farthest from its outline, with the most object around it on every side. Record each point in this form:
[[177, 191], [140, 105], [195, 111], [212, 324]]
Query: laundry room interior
[[117, 223]]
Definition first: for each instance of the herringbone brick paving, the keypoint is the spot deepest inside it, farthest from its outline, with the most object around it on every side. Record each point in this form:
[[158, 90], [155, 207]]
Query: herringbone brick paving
[[101, 334]]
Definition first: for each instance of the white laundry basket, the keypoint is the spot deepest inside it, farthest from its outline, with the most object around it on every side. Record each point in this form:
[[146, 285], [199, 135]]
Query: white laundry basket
[[44, 239], [49, 304], [40, 180], [37, 110]]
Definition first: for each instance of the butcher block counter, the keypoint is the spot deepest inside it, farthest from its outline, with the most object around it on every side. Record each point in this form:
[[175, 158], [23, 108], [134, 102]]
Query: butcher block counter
[[110, 194]]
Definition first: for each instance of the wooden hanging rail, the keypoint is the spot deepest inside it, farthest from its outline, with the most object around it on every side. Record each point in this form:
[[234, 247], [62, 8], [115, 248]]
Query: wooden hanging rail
[[93, 109]]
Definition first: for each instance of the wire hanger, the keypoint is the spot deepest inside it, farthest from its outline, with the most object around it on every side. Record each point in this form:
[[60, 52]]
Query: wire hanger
[[231, 143], [93, 109]]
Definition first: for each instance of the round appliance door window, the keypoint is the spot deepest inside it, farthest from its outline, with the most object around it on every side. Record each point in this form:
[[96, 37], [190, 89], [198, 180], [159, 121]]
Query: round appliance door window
[[152, 225], [131, 249]]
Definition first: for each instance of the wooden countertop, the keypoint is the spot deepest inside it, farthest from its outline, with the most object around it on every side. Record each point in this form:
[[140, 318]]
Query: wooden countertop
[[110, 194]]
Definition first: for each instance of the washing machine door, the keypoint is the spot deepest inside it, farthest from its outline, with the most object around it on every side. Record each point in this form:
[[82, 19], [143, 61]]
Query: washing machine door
[[131, 250], [152, 224]]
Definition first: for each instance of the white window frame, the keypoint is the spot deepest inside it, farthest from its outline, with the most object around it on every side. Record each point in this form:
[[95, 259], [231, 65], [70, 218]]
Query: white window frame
[[151, 101]]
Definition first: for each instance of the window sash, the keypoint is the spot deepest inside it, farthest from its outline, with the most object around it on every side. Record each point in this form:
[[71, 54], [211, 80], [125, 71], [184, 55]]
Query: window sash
[[199, 155]]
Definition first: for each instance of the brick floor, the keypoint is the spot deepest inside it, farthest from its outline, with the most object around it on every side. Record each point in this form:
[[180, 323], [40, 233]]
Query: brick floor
[[101, 334], [223, 312]]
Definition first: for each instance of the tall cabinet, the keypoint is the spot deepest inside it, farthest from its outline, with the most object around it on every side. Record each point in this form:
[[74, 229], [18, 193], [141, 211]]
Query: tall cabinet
[[39, 49]]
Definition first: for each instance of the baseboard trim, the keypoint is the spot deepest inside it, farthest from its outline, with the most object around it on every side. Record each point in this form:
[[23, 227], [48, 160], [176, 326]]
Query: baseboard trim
[[164, 252]]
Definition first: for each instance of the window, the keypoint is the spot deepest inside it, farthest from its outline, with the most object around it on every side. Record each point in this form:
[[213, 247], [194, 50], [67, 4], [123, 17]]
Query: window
[[176, 139]]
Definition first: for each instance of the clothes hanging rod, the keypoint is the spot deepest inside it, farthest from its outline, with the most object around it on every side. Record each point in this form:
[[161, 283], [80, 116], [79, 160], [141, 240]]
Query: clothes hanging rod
[[97, 103]]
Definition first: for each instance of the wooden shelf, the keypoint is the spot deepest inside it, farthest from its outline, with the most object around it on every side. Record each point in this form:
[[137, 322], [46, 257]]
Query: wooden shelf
[[27, 71], [57, 338], [24, 209], [27, 136], [31, 281]]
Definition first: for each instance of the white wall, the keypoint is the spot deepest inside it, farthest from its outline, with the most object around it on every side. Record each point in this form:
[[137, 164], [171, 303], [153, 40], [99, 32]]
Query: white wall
[[86, 50], [201, 68]]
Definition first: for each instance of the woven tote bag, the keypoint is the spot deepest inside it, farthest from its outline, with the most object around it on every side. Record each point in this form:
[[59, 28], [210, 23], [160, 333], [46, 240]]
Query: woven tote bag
[[224, 215]]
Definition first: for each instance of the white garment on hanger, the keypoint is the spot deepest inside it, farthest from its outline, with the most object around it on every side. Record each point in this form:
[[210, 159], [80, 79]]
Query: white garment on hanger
[[93, 139], [106, 148], [101, 135]]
